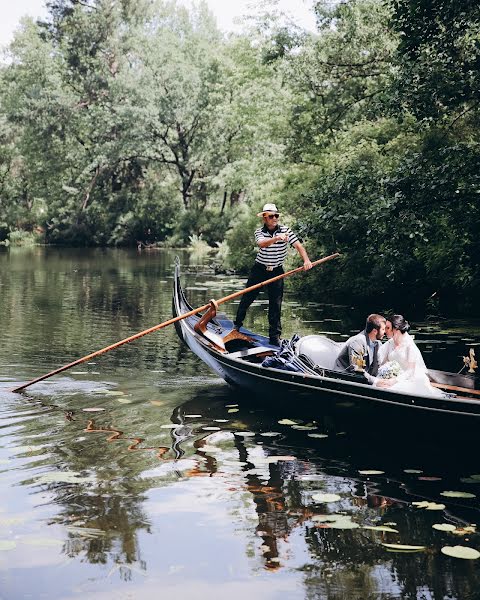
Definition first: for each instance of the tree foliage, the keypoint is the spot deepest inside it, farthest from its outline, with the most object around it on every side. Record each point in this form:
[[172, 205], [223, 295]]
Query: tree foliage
[[137, 121]]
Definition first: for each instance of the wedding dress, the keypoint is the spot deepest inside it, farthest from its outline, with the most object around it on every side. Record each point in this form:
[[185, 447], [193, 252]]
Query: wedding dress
[[413, 378]]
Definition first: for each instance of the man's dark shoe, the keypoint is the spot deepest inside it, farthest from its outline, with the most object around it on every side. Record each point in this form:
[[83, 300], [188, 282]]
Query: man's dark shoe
[[275, 341]]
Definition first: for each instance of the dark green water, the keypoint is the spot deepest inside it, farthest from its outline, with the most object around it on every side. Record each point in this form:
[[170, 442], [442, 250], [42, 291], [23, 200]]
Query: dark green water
[[143, 475]]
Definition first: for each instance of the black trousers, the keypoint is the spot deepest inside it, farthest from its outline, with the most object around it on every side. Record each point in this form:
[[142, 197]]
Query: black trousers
[[275, 296]]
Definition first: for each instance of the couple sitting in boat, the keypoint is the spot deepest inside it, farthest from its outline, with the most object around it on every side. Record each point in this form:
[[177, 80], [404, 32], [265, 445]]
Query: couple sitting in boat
[[397, 364]]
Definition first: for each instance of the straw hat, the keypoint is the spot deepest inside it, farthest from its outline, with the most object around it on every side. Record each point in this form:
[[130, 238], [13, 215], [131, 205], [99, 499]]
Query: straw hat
[[268, 208]]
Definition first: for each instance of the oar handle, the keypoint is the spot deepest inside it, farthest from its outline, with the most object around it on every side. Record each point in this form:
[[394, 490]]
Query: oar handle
[[165, 323]]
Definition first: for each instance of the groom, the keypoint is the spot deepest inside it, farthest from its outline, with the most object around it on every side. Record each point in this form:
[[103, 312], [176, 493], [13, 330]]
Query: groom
[[363, 348]]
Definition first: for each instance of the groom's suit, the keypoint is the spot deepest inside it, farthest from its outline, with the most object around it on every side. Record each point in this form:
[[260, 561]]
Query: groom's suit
[[358, 346]]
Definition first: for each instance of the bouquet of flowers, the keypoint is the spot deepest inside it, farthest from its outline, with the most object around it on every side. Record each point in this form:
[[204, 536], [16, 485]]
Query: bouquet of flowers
[[388, 370]]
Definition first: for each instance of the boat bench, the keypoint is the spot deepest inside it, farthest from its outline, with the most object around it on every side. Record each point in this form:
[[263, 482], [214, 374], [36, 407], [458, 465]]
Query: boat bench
[[251, 352]]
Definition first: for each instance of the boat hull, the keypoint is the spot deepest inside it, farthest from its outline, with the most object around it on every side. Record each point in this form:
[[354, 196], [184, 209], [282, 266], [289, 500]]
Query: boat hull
[[314, 390]]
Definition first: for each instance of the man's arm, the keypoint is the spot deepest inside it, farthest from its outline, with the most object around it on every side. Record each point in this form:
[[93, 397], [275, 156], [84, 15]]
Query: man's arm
[[265, 242], [307, 263]]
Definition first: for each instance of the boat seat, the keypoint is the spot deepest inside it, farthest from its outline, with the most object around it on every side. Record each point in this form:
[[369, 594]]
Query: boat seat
[[251, 352], [322, 351]]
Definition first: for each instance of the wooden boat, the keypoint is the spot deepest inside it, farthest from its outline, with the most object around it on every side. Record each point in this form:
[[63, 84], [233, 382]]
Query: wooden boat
[[237, 357]]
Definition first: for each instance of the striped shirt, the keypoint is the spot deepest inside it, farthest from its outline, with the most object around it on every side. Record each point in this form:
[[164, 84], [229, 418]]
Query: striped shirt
[[274, 255]]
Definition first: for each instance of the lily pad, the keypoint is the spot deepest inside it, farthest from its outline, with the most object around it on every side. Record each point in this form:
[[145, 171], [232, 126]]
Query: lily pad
[[319, 436], [371, 472], [429, 505], [453, 494], [270, 434], [461, 552], [124, 400], [233, 410], [412, 471], [7, 545], [335, 521], [326, 497], [288, 422], [380, 528], [444, 527], [403, 548]]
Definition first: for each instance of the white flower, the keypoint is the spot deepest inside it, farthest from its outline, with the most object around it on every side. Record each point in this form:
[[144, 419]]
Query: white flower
[[389, 370]]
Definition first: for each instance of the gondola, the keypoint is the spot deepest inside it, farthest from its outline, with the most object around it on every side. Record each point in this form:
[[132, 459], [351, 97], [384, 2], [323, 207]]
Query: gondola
[[237, 357]]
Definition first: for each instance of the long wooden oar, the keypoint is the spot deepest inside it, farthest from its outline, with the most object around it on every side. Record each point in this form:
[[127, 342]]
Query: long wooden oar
[[169, 322], [456, 388]]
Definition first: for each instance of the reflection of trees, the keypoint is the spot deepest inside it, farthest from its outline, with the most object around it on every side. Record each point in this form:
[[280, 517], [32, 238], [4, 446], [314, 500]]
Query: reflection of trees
[[347, 563]]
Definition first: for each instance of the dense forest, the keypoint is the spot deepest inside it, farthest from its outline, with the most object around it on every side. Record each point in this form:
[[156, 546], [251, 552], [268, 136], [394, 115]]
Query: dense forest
[[137, 122]]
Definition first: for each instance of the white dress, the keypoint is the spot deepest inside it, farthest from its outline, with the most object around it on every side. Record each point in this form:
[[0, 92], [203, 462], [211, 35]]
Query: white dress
[[413, 378]]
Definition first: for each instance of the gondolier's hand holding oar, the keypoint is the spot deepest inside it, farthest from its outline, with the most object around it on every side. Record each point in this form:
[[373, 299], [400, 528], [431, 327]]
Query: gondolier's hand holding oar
[[169, 322]]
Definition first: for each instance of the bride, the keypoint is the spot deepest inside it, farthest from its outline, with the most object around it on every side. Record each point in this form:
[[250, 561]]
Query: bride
[[400, 353]]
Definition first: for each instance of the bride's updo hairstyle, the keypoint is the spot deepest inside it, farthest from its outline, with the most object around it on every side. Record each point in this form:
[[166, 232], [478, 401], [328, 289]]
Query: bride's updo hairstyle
[[399, 322]]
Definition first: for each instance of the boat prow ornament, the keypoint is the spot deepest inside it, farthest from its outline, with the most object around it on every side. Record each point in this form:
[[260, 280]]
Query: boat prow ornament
[[470, 362], [358, 361]]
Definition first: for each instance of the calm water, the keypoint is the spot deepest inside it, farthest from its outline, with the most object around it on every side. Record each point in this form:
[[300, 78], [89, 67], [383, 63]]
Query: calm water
[[142, 475]]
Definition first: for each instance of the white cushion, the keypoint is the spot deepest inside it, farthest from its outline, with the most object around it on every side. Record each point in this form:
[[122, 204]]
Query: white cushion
[[321, 350]]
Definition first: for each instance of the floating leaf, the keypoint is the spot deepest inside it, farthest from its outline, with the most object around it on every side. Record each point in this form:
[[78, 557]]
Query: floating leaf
[[444, 527], [231, 405], [430, 479], [335, 521], [233, 410], [413, 471], [452, 494], [380, 528], [317, 435], [429, 505], [471, 479], [7, 545], [304, 427], [461, 552], [270, 434], [245, 433], [326, 497], [344, 524], [403, 548], [124, 400], [371, 472], [211, 428], [287, 422]]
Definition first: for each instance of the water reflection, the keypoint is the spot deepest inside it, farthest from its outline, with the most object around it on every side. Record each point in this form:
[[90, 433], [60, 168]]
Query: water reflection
[[145, 468]]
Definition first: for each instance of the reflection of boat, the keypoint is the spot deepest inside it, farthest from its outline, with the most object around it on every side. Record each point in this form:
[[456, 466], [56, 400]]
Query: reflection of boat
[[237, 358]]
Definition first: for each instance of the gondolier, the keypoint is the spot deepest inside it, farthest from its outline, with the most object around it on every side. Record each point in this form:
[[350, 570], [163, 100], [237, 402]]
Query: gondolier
[[272, 240]]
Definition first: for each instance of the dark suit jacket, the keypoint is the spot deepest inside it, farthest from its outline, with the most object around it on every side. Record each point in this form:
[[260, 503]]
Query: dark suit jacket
[[357, 345]]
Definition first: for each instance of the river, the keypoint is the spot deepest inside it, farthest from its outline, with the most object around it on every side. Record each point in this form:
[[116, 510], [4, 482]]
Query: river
[[141, 474]]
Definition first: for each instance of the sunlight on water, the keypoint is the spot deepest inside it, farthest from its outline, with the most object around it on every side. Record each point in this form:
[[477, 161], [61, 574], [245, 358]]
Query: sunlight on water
[[142, 471]]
